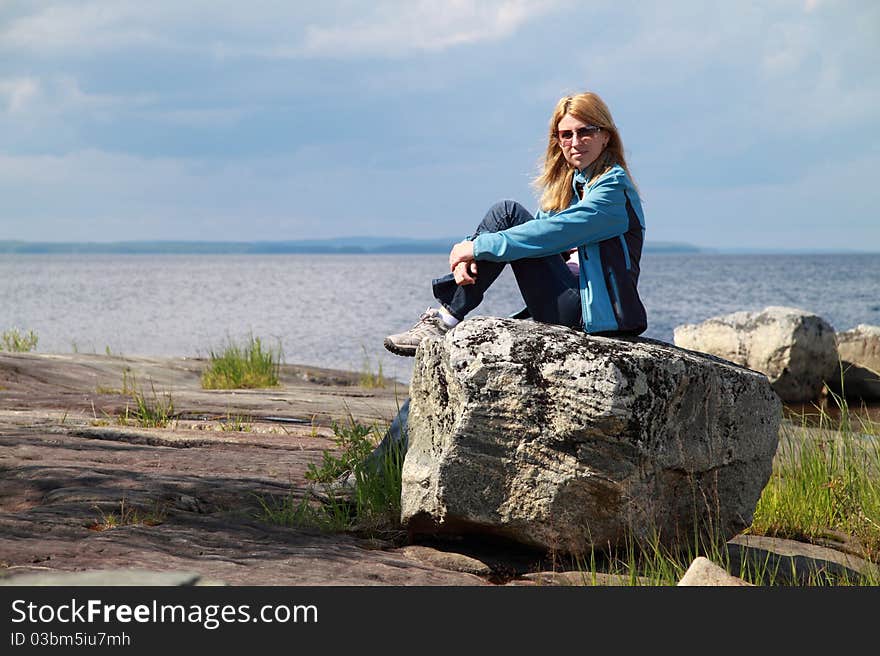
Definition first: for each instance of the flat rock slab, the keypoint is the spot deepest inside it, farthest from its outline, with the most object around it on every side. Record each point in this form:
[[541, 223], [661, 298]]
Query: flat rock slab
[[66, 466], [94, 386], [792, 562]]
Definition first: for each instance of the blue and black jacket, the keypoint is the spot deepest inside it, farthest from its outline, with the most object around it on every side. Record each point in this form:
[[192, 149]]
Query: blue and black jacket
[[607, 226]]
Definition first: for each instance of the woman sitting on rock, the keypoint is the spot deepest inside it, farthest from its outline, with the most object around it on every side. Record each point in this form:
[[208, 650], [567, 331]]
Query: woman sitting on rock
[[589, 205], [590, 214]]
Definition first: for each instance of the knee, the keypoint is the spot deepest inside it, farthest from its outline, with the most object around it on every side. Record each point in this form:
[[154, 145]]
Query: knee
[[508, 206], [504, 214]]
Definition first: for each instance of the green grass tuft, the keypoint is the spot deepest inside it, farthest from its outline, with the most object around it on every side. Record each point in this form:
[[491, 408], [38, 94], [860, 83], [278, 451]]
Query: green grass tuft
[[825, 481], [18, 342], [354, 443], [127, 515], [374, 509], [251, 365], [235, 423], [369, 378], [154, 412]]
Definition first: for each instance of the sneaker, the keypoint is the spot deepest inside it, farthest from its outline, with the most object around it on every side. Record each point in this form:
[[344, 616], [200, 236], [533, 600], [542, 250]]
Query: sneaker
[[429, 325], [340, 490]]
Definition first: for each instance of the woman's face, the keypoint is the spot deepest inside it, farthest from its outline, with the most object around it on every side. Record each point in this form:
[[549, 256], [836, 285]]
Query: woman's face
[[581, 143]]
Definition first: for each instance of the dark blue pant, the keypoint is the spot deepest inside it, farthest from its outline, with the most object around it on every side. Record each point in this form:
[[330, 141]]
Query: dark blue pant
[[550, 291], [548, 288]]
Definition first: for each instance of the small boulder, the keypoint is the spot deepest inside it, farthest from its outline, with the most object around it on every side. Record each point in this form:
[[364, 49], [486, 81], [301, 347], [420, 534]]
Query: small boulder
[[566, 441], [703, 572], [861, 346], [446, 560], [795, 349], [859, 351]]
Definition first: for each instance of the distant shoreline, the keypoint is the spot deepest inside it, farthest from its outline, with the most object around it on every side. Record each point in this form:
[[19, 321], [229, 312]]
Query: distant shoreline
[[340, 246]]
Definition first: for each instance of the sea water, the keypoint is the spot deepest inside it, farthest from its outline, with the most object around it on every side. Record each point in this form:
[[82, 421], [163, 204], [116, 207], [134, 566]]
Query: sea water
[[334, 310]]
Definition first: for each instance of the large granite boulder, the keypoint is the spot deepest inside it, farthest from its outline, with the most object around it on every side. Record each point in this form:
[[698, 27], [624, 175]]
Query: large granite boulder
[[859, 350], [565, 441], [795, 349]]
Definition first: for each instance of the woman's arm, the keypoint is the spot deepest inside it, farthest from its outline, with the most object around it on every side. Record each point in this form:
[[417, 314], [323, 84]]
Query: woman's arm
[[600, 215]]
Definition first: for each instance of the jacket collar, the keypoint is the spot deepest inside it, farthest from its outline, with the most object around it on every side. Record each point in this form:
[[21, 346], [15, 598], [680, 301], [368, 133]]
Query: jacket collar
[[584, 176]]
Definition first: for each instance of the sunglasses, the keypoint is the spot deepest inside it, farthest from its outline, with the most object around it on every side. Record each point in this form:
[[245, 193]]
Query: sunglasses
[[566, 136]]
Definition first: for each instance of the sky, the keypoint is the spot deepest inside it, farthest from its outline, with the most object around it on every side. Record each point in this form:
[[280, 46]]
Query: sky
[[745, 124]]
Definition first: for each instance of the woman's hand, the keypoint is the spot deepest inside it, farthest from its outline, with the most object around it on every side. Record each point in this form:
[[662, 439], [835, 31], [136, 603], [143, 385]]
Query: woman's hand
[[463, 251], [465, 273]]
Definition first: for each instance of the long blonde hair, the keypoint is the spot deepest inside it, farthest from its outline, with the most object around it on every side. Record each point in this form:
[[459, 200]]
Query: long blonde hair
[[555, 179]]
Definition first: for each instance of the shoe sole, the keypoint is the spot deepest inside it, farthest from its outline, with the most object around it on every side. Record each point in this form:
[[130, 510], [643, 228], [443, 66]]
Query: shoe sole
[[406, 351]]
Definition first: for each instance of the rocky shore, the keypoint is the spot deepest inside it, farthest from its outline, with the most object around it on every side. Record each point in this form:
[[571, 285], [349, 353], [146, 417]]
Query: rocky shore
[[65, 464]]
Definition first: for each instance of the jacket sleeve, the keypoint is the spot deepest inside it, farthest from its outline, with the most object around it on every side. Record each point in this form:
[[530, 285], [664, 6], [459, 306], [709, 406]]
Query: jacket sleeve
[[599, 215]]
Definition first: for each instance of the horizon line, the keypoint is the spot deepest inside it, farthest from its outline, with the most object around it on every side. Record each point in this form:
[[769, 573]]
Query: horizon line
[[349, 245]]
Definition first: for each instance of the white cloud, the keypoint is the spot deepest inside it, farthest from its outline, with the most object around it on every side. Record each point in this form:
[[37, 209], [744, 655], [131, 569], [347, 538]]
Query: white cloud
[[90, 26], [19, 93], [399, 28], [228, 29], [806, 82], [32, 101], [729, 77]]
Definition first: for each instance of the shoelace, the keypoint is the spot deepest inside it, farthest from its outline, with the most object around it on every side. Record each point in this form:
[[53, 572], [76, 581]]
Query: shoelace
[[428, 319], [426, 315]]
